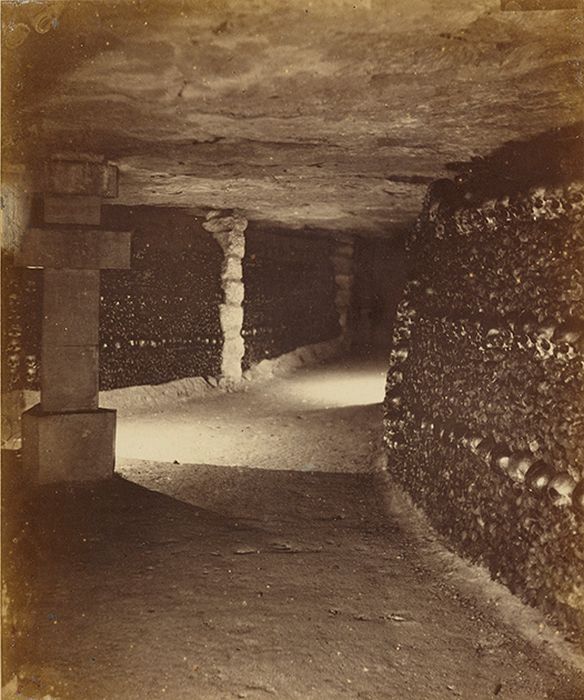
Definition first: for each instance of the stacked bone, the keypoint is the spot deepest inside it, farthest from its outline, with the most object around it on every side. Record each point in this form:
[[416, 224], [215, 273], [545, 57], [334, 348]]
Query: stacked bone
[[291, 296], [159, 321], [484, 404], [21, 330]]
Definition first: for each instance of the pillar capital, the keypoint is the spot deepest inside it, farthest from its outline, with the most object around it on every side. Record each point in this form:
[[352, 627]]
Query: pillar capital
[[225, 221], [228, 228], [80, 174]]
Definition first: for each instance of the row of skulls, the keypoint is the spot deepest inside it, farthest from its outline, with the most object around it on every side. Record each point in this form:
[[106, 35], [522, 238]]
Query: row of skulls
[[537, 204], [489, 339], [540, 278], [403, 423]]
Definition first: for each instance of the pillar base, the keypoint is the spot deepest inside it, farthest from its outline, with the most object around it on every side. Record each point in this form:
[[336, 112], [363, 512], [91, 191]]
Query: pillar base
[[68, 447]]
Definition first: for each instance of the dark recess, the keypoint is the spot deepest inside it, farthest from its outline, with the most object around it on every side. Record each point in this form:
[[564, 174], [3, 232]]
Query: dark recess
[[289, 294]]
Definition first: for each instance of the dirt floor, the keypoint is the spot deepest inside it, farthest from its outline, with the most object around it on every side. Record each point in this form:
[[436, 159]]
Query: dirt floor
[[204, 580], [323, 419]]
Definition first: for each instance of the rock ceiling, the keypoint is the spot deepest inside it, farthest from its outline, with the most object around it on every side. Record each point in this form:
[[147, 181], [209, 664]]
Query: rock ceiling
[[322, 114]]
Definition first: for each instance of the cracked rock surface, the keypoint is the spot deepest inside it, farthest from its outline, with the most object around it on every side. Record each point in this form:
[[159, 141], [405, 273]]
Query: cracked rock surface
[[331, 115]]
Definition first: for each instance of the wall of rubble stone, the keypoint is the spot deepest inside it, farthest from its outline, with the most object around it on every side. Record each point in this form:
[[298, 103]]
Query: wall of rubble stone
[[290, 293], [228, 229], [485, 390]]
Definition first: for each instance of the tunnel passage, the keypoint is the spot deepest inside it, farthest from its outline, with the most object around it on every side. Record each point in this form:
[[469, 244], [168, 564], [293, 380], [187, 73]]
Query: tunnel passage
[[161, 321], [380, 269], [289, 293], [484, 402], [271, 155]]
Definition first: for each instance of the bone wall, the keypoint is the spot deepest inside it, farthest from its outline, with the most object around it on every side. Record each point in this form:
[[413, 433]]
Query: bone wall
[[484, 406], [21, 288], [290, 294], [177, 313], [21, 326], [160, 320]]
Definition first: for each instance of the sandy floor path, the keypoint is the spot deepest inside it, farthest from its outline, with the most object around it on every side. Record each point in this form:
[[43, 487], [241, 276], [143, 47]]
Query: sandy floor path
[[210, 582], [321, 419]]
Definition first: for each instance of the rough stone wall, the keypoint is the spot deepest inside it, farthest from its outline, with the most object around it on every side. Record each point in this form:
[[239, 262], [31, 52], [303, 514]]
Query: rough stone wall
[[485, 392], [160, 321], [290, 294], [342, 261]]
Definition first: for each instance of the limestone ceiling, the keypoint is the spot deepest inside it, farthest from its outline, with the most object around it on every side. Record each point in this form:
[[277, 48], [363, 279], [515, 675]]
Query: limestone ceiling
[[325, 114]]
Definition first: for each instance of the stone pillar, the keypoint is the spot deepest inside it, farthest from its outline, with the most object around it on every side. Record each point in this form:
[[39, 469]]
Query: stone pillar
[[16, 205], [67, 437], [228, 229], [342, 260]]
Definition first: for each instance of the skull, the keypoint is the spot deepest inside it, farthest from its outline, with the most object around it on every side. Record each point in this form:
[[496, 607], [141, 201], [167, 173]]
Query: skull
[[560, 489]]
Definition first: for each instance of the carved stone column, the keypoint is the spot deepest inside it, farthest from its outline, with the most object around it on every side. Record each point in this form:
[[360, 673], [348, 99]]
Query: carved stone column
[[229, 231], [67, 437]]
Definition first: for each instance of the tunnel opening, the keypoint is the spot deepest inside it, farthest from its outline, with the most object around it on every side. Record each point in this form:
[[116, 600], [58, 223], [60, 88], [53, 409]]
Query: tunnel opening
[[292, 390]]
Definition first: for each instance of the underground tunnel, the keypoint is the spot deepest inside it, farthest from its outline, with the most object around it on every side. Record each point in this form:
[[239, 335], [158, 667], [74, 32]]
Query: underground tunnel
[[293, 340]]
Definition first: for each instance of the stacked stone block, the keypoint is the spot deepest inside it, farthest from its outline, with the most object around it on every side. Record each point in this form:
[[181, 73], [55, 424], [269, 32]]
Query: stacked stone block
[[67, 436], [229, 232], [485, 391]]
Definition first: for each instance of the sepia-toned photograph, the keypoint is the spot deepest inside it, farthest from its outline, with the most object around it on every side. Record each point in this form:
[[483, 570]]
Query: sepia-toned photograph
[[292, 380]]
